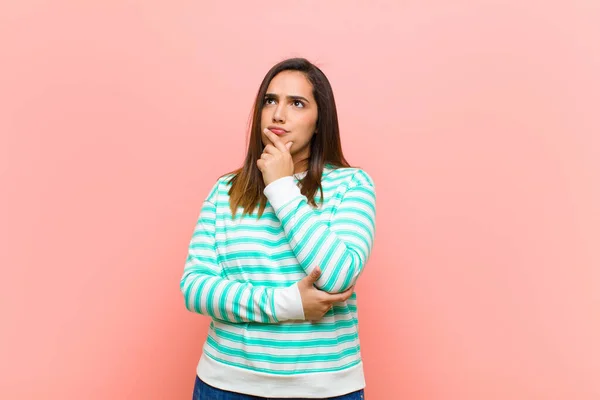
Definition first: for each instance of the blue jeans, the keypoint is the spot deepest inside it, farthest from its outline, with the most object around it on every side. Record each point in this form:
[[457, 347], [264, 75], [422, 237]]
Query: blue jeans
[[202, 391]]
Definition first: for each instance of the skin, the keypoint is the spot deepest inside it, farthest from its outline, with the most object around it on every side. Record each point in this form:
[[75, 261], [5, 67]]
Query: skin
[[290, 105], [316, 302]]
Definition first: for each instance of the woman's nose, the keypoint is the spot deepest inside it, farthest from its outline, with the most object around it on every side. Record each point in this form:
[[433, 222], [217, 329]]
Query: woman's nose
[[278, 115]]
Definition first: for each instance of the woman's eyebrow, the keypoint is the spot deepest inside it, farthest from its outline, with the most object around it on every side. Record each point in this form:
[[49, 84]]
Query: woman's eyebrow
[[294, 97]]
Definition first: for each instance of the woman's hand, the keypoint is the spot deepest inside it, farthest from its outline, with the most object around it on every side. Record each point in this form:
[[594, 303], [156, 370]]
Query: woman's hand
[[276, 161], [316, 302]]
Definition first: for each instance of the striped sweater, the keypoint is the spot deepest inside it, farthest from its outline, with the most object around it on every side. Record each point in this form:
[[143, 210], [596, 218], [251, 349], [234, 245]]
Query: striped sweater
[[242, 272]]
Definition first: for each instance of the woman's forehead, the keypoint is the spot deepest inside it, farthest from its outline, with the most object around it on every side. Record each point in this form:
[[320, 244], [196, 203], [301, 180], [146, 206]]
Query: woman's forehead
[[290, 83]]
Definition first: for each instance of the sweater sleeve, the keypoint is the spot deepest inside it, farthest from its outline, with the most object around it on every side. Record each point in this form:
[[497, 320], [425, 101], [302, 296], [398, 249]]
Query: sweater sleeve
[[206, 292], [340, 247]]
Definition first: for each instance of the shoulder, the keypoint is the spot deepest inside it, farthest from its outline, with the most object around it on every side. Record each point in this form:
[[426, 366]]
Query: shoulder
[[349, 177], [219, 187]]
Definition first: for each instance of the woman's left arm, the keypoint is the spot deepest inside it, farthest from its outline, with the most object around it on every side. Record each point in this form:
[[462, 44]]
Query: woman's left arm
[[340, 248]]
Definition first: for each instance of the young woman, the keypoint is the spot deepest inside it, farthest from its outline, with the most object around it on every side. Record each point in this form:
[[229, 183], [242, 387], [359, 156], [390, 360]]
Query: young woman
[[277, 249]]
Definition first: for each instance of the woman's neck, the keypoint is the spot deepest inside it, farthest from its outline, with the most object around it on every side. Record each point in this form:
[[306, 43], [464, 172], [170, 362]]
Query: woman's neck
[[300, 166]]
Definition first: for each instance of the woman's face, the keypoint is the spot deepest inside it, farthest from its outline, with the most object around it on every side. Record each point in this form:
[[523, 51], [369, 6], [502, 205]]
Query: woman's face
[[290, 111]]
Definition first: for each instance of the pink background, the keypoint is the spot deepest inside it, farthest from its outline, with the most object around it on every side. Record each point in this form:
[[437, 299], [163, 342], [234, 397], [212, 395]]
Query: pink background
[[478, 121]]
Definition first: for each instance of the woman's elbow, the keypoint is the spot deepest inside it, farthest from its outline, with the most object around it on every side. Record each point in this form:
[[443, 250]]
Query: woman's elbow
[[185, 286], [341, 281]]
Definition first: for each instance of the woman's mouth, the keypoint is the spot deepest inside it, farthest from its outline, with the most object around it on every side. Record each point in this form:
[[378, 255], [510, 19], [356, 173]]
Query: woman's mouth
[[277, 131]]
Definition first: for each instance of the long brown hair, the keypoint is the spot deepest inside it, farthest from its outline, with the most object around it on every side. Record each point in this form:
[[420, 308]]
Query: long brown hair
[[247, 184]]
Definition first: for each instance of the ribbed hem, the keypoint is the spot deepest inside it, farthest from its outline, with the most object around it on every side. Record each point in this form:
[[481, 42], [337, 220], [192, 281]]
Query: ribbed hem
[[311, 386]]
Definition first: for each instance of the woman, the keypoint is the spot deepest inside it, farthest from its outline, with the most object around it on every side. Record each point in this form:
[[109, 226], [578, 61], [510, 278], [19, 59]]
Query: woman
[[276, 252]]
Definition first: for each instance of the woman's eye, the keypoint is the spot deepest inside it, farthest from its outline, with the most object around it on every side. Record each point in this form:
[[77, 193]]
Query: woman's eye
[[269, 100], [298, 103]]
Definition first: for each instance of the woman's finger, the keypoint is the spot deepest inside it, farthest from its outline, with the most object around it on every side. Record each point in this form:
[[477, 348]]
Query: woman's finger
[[270, 149], [339, 297], [276, 141]]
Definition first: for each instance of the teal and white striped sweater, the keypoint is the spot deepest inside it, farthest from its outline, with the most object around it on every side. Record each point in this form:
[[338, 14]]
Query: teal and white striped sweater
[[242, 273]]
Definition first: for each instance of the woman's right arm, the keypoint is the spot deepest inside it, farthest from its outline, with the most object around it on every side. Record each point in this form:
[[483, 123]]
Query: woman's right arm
[[206, 292]]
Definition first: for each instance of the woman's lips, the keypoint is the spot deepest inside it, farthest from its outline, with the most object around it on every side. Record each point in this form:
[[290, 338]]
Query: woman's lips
[[278, 131]]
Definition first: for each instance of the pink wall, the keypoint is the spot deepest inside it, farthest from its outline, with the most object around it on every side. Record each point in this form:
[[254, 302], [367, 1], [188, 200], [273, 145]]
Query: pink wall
[[479, 123]]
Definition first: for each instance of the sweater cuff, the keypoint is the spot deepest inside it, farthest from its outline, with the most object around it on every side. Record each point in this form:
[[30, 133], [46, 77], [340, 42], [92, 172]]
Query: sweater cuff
[[288, 304], [282, 191]]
